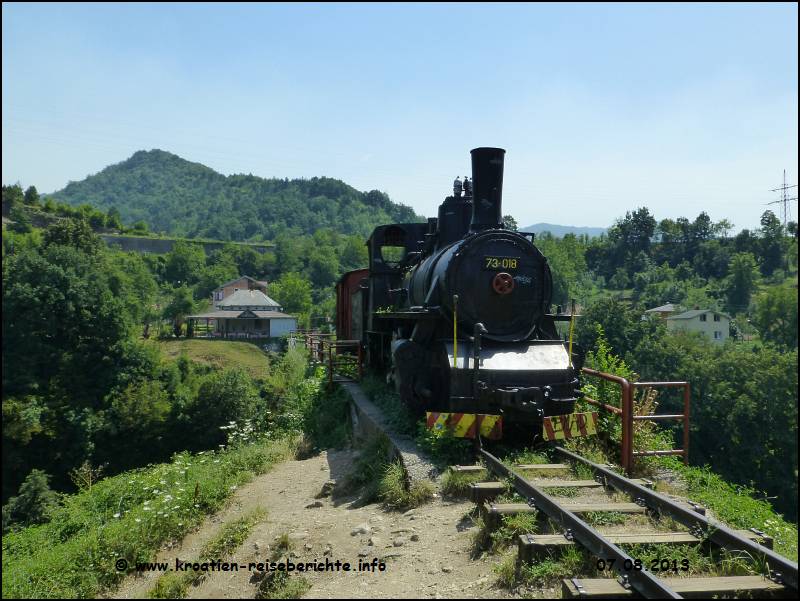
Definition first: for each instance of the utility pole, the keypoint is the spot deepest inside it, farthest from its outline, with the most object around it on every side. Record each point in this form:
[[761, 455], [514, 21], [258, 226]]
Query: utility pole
[[784, 200]]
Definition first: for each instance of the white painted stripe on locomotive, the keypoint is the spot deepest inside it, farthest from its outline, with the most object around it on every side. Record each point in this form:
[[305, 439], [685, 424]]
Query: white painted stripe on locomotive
[[527, 356]]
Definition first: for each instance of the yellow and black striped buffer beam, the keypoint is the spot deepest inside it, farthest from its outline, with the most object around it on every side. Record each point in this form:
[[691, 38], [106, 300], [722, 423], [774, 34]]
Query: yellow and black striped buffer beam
[[466, 425], [574, 425]]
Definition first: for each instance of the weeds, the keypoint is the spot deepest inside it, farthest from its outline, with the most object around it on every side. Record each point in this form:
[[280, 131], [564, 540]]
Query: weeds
[[456, 484], [506, 571], [549, 570], [511, 526], [563, 491], [443, 447], [604, 518], [281, 584], [736, 506], [128, 517], [369, 467], [397, 415], [526, 457], [174, 585], [394, 493], [668, 559], [327, 420]]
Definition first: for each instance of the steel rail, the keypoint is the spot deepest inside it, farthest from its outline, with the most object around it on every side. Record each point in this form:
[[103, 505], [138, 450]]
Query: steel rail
[[782, 569], [640, 580]]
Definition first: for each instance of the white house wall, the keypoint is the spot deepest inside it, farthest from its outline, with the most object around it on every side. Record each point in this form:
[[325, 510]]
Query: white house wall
[[279, 327]]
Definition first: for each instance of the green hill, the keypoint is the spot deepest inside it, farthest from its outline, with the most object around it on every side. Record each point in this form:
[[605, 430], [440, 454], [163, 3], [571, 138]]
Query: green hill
[[181, 198]]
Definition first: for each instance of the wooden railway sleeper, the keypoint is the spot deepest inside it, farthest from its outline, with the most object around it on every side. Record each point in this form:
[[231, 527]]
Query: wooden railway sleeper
[[579, 587]]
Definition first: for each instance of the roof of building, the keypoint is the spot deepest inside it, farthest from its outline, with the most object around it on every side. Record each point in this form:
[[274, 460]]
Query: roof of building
[[238, 314], [254, 299], [243, 277], [696, 312], [668, 308]]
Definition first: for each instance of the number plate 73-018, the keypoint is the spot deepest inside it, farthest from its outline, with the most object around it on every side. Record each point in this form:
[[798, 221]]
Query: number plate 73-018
[[500, 262]]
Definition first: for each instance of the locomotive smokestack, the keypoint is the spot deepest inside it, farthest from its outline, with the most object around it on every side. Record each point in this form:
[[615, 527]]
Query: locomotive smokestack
[[487, 185]]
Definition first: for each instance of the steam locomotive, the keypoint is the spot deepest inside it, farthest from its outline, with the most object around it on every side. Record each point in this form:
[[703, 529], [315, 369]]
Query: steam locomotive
[[457, 311]]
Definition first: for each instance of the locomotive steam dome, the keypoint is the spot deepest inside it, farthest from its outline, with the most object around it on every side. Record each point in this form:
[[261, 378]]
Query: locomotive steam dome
[[501, 279]]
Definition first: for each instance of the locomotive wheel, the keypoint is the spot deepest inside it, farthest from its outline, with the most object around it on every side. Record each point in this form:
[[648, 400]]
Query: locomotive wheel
[[503, 283]]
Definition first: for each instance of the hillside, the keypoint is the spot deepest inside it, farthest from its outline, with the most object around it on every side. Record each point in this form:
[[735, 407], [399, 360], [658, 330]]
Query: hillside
[[560, 230], [181, 198], [219, 354]]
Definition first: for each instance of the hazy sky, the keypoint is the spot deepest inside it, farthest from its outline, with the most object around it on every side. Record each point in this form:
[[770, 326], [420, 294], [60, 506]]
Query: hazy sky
[[602, 108]]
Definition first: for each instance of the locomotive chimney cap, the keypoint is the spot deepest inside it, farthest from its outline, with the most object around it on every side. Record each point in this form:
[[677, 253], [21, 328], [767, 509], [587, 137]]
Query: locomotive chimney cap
[[487, 188]]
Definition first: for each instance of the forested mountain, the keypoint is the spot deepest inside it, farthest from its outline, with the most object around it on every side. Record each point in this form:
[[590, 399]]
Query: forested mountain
[[181, 198], [561, 230]]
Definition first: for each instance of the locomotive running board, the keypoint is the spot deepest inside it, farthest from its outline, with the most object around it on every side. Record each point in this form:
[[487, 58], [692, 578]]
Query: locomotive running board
[[466, 425]]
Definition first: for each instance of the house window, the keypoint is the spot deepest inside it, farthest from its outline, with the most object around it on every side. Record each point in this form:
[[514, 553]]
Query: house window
[[716, 317], [703, 317], [717, 335]]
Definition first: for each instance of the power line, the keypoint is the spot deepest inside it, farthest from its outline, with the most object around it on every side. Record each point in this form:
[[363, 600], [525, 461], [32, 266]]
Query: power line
[[784, 199]]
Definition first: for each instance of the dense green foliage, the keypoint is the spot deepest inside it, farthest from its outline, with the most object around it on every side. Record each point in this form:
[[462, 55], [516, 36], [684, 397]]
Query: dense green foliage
[[77, 378], [80, 387], [128, 516], [181, 198], [744, 393]]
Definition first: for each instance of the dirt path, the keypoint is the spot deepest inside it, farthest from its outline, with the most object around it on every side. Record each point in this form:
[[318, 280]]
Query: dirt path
[[426, 551]]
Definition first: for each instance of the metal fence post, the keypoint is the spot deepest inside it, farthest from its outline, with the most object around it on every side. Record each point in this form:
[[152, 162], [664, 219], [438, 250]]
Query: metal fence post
[[627, 426], [330, 365], [686, 396]]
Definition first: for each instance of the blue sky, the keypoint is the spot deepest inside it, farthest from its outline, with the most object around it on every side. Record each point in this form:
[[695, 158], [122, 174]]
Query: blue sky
[[602, 108]]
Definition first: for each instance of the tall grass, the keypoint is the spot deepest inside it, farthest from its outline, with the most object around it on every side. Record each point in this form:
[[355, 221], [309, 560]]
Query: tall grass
[[127, 517]]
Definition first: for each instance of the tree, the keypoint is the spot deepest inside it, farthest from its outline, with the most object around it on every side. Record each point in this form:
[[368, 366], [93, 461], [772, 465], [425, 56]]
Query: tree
[[354, 253], [323, 266], [510, 223], [33, 504], [623, 326], [97, 220], [776, 316], [75, 233], [214, 275], [185, 263], [21, 221], [741, 281], [113, 219], [222, 398], [181, 304], [771, 243], [31, 196], [744, 408], [289, 252], [620, 279], [61, 323], [293, 292], [139, 415], [12, 197]]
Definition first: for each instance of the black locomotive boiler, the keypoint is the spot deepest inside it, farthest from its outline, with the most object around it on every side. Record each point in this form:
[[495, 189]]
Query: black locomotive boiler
[[457, 310]]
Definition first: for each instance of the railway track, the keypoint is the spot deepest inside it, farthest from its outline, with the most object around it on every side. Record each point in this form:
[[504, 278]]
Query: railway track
[[570, 526]]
